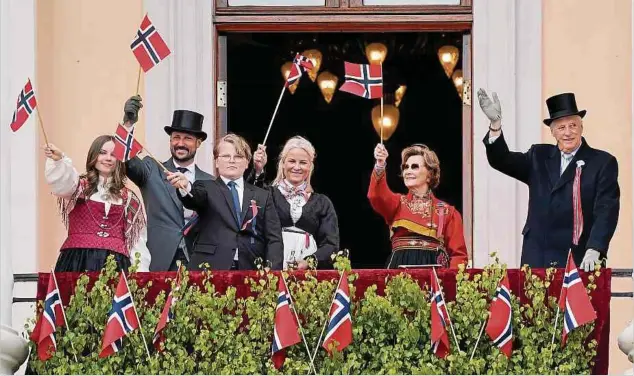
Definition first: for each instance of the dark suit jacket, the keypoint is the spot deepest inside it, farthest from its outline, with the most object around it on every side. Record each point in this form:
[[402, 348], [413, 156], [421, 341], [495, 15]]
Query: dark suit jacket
[[219, 233], [164, 210], [548, 229]]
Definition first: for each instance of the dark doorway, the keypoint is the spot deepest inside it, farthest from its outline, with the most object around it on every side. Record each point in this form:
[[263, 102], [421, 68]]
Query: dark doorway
[[342, 131]]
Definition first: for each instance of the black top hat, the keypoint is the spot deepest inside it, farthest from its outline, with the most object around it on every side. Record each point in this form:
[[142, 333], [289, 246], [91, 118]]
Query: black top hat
[[187, 122], [562, 105]]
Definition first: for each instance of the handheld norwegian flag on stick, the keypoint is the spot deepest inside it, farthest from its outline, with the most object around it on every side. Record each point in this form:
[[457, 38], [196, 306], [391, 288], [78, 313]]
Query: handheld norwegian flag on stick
[[574, 301], [439, 320], [286, 329], [122, 320], [26, 104], [148, 47], [126, 146], [500, 325], [52, 316], [300, 65], [340, 322], [167, 314], [364, 80]]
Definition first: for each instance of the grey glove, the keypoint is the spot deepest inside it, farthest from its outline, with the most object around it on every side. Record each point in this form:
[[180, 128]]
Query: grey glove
[[492, 109], [590, 259], [131, 109]]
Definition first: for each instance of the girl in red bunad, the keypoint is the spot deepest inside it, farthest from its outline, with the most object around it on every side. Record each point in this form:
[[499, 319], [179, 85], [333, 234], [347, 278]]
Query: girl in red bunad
[[102, 215], [425, 230]]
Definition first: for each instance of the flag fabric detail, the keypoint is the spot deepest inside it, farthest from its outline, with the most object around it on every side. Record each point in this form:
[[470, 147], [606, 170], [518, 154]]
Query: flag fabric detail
[[439, 320], [126, 146], [148, 46], [574, 300], [340, 321], [286, 329], [500, 325], [52, 317], [300, 64], [167, 314], [122, 319], [26, 104], [364, 80]]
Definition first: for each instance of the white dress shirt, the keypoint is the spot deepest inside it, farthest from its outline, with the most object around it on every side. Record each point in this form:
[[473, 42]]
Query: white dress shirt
[[63, 179]]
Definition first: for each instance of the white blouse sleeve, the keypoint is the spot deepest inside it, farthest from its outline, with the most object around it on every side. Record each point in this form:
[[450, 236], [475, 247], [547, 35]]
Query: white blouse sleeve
[[61, 176], [144, 256]]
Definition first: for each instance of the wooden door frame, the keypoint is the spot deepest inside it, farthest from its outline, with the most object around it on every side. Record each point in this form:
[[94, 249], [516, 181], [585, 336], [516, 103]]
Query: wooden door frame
[[248, 19]]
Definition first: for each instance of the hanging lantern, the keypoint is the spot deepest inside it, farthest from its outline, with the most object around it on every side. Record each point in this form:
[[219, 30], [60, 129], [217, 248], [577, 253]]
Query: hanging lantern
[[389, 121], [315, 57], [376, 53], [448, 56], [399, 94], [286, 70], [327, 83], [457, 79]]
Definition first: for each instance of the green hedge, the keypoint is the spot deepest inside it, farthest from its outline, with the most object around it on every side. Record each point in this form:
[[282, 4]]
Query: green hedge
[[209, 334]]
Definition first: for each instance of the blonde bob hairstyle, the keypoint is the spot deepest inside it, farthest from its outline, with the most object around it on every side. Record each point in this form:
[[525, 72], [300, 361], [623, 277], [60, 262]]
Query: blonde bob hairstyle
[[296, 142], [432, 164]]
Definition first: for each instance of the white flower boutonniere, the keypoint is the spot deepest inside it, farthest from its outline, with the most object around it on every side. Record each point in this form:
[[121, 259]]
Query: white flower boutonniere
[[581, 163]]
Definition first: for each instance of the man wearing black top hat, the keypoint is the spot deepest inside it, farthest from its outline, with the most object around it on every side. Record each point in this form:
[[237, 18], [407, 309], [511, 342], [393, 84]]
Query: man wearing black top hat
[[167, 220], [573, 190]]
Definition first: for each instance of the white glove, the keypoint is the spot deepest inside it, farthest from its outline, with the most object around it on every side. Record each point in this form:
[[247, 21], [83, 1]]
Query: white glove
[[492, 109], [590, 259]]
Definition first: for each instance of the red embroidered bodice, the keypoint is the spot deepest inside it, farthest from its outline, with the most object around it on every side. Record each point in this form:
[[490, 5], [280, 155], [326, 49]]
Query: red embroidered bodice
[[90, 227]]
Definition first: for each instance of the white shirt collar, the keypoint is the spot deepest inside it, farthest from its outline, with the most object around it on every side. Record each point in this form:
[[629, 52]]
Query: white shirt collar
[[572, 153], [239, 182], [191, 168]]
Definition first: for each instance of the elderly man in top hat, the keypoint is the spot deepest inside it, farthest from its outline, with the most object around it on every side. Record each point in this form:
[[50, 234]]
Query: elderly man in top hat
[[573, 190]]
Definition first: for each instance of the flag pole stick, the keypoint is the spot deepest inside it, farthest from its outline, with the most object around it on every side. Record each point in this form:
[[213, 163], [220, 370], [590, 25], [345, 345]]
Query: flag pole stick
[[39, 117], [560, 294], [147, 350], [450, 321], [381, 105], [274, 113], [64, 313], [328, 317], [138, 80], [478, 340], [299, 324]]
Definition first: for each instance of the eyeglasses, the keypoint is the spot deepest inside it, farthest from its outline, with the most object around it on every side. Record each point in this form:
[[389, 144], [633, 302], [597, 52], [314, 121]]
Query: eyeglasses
[[413, 166], [227, 158]]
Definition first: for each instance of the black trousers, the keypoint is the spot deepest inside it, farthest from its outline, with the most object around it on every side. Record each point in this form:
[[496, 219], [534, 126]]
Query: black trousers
[[179, 256]]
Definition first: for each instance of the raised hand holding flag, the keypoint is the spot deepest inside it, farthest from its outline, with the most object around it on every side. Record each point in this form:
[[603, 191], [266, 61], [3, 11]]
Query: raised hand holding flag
[[26, 104]]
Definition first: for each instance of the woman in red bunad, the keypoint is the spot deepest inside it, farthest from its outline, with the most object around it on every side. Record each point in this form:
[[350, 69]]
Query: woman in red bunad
[[425, 230], [102, 215]]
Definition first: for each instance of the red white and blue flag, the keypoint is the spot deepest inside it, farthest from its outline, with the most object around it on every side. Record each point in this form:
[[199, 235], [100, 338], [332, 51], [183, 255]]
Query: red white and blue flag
[[167, 314], [340, 322], [126, 146], [574, 300], [26, 104], [148, 46], [286, 329], [300, 64], [500, 326], [122, 319], [364, 80], [52, 316], [439, 320]]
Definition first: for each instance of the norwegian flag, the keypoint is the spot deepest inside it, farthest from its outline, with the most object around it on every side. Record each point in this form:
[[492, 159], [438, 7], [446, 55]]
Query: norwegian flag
[[340, 323], [500, 326], [285, 331], [574, 300], [439, 320], [25, 105], [300, 64], [364, 80], [126, 146], [122, 319], [167, 314], [52, 316], [148, 46]]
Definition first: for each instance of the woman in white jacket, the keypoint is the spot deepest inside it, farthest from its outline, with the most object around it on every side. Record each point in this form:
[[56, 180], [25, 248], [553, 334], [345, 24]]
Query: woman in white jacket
[[102, 215]]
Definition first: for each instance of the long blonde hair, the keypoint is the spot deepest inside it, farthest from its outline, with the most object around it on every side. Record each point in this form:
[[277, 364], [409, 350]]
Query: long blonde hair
[[296, 142]]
